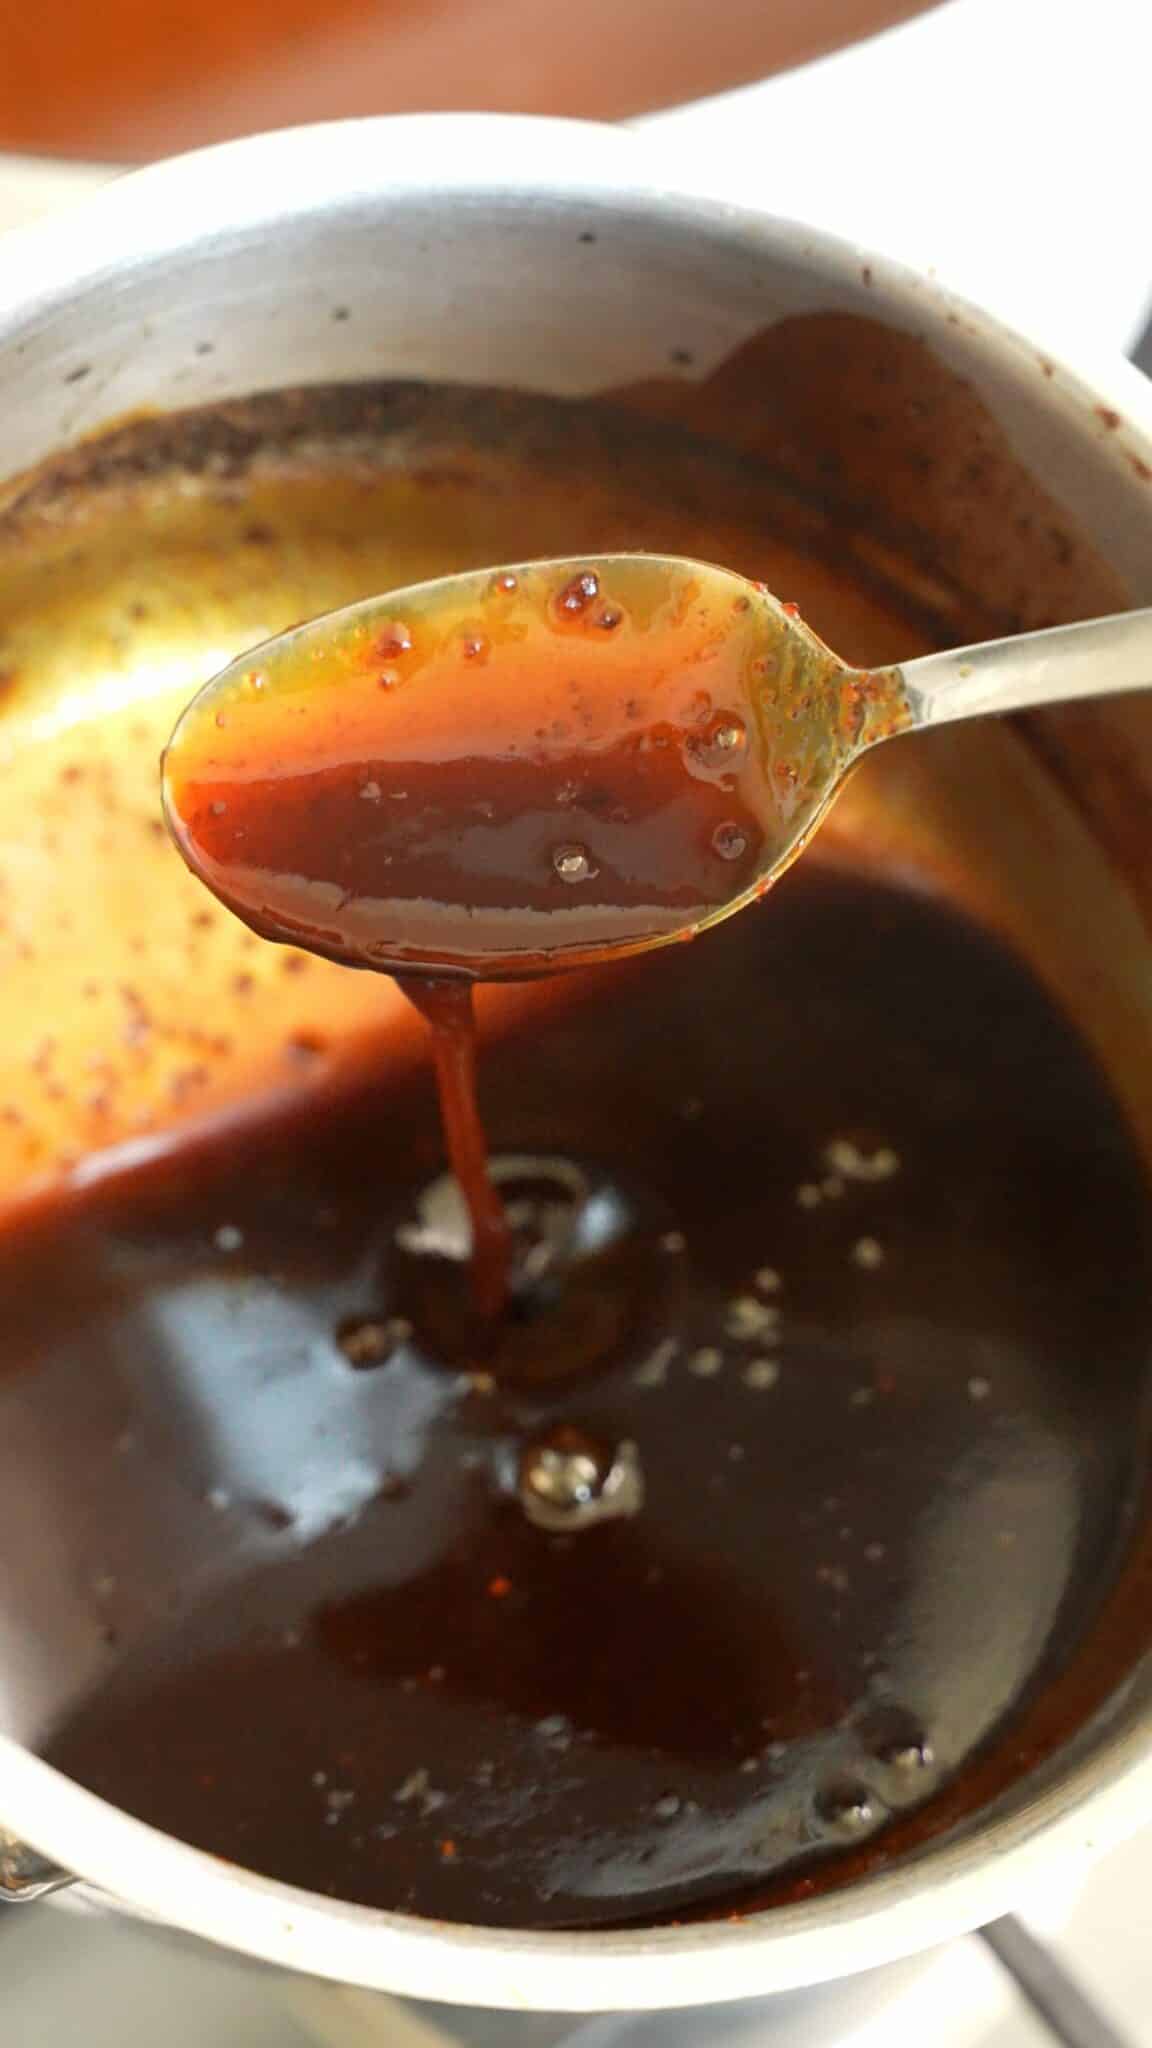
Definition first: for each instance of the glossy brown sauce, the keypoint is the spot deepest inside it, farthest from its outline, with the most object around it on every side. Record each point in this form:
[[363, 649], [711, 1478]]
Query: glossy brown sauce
[[850, 1244], [759, 1547]]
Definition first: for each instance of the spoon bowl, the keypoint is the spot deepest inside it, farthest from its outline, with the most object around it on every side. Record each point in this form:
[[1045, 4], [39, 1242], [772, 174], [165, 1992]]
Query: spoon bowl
[[517, 771]]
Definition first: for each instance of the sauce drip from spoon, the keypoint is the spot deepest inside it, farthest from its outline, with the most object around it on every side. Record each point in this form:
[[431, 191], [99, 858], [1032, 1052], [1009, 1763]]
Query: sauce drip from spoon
[[447, 1006]]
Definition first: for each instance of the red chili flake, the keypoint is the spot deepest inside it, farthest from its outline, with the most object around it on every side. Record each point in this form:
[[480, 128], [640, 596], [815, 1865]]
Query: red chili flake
[[793, 610], [499, 1588], [1109, 418], [447, 1851]]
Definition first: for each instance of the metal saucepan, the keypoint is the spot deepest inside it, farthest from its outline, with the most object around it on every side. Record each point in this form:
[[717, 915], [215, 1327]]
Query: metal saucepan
[[959, 463]]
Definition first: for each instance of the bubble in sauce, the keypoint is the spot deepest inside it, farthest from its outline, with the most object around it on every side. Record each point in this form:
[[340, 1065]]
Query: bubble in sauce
[[568, 1479], [576, 597], [556, 1731], [729, 842], [760, 1374], [911, 1758], [367, 1341], [714, 748], [895, 1736], [728, 735], [706, 1362], [852, 1162], [745, 1316], [849, 1810], [574, 864]]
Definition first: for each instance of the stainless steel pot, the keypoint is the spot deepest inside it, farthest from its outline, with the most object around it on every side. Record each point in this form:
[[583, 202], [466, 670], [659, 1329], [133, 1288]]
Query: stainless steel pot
[[567, 259]]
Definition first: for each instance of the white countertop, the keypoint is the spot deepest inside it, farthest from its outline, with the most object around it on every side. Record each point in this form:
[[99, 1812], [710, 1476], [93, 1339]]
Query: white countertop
[[1003, 143]]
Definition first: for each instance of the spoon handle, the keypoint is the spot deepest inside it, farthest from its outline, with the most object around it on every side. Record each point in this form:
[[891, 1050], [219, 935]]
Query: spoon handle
[[1094, 659]]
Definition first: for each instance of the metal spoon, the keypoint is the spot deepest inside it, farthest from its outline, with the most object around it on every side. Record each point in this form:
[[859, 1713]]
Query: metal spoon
[[515, 771]]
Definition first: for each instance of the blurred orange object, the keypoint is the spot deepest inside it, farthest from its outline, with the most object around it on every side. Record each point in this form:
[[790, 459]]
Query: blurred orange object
[[130, 79]]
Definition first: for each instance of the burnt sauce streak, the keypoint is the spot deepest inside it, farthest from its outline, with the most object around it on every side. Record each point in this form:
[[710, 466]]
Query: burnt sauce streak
[[771, 1502]]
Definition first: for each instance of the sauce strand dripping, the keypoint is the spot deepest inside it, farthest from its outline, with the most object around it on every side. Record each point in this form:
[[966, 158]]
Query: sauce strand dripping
[[448, 1009]]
